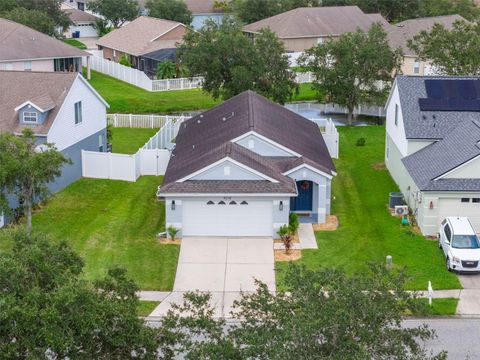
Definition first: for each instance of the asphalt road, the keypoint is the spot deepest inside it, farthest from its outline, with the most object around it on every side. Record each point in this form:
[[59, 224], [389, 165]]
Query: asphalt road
[[459, 336]]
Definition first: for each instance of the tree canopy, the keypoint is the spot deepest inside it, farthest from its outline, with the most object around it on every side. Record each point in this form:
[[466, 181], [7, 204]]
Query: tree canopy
[[42, 15], [231, 63], [175, 10], [451, 52], [26, 169], [350, 67], [323, 314], [115, 11], [48, 310]]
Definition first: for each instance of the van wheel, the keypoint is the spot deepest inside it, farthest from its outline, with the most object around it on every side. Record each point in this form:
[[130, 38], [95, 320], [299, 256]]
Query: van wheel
[[448, 264]]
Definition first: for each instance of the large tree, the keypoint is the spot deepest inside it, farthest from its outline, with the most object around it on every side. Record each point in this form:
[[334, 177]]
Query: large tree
[[231, 63], [466, 8], [350, 67], [48, 310], [26, 169], [323, 314], [175, 10], [115, 11], [451, 52], [42, 15]]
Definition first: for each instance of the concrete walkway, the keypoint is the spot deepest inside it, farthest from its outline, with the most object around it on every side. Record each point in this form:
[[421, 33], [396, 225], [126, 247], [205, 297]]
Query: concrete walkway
[[152, 295], [469, 303], [307, 237], [223, 267]]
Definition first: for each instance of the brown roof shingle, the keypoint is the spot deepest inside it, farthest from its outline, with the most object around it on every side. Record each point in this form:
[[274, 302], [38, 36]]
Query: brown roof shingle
[[139, 36], [399, 34], [206, 138], [317, 21], [45, 89], [19, 42]]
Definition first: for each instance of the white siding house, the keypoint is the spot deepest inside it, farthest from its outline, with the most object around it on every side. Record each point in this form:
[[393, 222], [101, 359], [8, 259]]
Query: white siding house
[[432, 147]]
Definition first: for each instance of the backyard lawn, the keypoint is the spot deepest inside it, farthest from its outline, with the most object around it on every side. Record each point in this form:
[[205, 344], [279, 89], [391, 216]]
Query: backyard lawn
[[76, 43], [129, 140], [126, 98], [367, 231], [113, 222]]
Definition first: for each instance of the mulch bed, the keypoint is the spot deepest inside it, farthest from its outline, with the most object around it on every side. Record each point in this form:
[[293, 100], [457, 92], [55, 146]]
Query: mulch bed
[[330, 225], [280, 255], [168, 241]]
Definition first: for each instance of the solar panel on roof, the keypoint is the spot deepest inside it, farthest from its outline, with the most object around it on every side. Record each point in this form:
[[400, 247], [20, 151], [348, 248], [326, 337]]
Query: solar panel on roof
[[451, 95]]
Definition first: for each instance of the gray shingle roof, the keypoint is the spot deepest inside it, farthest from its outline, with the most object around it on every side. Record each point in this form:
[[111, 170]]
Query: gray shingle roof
[[78, 16], [458, 147], [46, 89], [19, 42], [206, 138], [317, 21], [432, 125]]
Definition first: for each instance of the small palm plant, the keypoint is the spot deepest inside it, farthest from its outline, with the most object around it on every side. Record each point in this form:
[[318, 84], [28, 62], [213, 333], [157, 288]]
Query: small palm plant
[[172, 231], [166, 70], [284, 233]]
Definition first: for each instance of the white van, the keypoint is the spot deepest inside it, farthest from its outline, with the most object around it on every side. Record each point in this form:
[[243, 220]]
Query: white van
[[460, 244]]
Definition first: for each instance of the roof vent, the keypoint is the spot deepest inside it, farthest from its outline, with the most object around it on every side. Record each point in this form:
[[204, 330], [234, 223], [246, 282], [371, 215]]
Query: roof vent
[[198, 121], [184, 125], [424, 117], [193, 147], [434, 124], [225, 118], [434, 116], [201, 115]]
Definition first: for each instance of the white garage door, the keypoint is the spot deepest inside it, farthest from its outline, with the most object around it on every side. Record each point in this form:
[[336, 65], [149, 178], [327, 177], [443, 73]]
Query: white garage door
[[455, 207], [241, 217], [85, 30]]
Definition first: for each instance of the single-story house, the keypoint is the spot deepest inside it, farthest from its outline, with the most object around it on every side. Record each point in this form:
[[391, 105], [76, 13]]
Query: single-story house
[[400, 33], [25, 49], [432, 147], [81, 22], [303, 28], [60, 108], [143, 40], [240, 168]]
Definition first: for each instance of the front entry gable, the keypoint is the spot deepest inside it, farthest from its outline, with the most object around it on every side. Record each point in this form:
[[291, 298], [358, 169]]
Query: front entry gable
[[263, 146], [227, 170]]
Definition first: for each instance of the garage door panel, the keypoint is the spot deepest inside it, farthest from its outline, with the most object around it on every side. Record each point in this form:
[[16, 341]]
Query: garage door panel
[[213, 219], [454, 207]]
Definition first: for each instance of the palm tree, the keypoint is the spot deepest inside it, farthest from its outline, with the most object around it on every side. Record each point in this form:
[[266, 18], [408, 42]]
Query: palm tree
[[166, 70]]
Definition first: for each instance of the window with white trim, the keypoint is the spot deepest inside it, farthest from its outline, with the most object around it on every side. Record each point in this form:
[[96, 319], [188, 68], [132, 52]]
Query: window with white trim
[[396, 114], [78, 112], [30, 117], [416, 67]]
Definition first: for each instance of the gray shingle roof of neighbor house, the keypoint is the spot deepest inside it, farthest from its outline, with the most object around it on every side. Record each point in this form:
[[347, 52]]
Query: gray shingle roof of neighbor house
[[458, 147], [44, 89], [78, 16], [206, 138], [139, 36], [428, 125], [19, 42], [317, 21], [400, 33]]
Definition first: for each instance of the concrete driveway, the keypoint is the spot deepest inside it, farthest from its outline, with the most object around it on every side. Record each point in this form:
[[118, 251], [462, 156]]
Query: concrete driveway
[[222, 266]]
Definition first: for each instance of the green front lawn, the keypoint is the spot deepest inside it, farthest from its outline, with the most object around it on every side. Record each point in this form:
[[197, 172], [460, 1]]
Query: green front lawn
[[76, 43], [367, 231], [113, 223], [126, 98], [129, 140], [439, 307], [146, 307]]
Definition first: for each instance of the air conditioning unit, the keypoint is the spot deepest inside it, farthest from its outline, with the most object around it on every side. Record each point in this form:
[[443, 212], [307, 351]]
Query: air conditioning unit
[[401, 210]]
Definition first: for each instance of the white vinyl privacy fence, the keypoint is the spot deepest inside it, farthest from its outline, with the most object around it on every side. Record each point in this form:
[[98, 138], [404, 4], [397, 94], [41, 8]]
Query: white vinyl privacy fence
[[151, 159], [141, 120]]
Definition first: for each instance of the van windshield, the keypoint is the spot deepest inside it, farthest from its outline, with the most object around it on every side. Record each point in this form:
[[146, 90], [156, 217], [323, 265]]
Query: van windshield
[[465, 242]]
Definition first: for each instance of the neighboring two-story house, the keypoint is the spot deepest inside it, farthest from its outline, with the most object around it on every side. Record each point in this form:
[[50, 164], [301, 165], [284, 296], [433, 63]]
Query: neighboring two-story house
[[60, 108], [25, 49], [240, 168], [433, 147]]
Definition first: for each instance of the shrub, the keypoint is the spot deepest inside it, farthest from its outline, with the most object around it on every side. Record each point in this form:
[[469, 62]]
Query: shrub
[[284, 233], [361, 141], [125, 60], [293, 223], [172, 231]]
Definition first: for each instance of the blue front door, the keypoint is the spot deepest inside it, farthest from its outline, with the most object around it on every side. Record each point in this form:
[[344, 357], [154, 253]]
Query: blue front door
[[303, 202]]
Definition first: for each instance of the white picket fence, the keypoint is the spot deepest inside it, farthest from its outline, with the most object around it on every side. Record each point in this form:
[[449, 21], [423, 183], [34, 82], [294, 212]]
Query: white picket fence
[[330, 108], [141, 120]]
